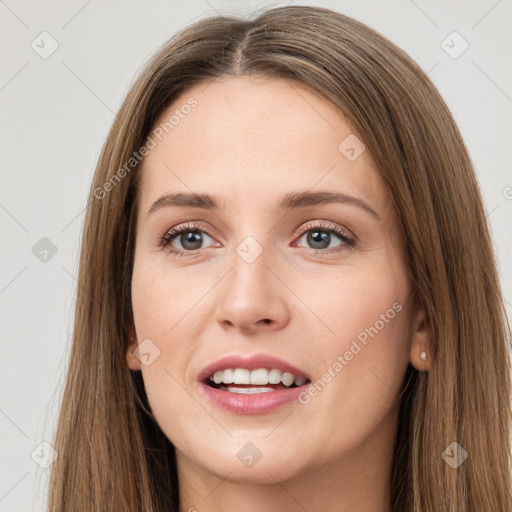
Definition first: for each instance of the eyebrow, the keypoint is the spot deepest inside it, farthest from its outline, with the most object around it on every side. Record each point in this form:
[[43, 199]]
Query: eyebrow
[[290, 200]]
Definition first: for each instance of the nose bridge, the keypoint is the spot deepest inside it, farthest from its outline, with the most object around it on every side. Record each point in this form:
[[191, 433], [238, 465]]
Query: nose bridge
[[250, 250], [253, 239], [251, 294], [250, 262]]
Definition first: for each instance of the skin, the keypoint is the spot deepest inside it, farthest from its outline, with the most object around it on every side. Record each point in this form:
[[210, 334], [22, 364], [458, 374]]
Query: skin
[[249, 142]]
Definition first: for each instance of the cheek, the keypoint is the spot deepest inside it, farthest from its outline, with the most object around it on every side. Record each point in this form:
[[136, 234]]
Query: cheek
[[166, 307], [162, 300], [363, 361], [353, 299]]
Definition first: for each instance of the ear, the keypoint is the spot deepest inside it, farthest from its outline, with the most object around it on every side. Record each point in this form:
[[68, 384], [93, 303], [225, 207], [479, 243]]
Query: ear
[[132, 361], [421, 341]]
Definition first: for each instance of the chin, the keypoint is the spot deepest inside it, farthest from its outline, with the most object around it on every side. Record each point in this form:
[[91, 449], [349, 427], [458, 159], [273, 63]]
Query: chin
[[245, 464]]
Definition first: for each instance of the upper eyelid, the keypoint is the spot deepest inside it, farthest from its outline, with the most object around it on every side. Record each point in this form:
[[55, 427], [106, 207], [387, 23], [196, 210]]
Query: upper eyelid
[[191, 226], [323, 224]]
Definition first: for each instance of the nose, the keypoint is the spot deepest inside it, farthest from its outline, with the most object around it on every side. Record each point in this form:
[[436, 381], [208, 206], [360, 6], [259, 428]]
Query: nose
[[252, 298]]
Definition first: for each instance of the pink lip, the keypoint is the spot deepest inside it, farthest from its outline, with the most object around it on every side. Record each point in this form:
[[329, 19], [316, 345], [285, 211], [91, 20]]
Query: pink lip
[[251, 404], [258, 403], [252, 362]]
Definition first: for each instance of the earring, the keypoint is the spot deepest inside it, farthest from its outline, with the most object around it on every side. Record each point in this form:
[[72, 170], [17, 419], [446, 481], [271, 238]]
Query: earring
[[423, 356]]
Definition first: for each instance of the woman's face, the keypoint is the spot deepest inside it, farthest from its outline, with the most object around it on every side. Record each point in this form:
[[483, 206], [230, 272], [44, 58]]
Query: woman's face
[[318, 283]]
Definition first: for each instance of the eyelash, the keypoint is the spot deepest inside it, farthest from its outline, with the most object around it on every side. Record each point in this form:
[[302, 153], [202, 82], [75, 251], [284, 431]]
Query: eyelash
[[169, 236]]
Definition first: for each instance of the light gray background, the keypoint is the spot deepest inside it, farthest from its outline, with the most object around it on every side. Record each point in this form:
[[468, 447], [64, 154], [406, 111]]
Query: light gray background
[[55, 116]]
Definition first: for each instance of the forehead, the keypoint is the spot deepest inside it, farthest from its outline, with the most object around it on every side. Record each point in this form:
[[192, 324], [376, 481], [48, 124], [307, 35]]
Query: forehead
[[259, 137]]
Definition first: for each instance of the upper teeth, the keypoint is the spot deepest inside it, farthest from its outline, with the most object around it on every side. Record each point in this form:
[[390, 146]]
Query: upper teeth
[[261, 376]]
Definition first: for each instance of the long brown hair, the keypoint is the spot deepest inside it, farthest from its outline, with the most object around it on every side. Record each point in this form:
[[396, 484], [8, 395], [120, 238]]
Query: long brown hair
[[113, 455]]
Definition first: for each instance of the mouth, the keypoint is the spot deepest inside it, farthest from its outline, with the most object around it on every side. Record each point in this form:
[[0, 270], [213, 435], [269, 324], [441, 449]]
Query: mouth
[[245, 384], [249, 382]]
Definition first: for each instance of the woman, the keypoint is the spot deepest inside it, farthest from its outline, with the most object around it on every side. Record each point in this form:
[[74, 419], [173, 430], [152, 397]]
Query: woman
[[287, 294]]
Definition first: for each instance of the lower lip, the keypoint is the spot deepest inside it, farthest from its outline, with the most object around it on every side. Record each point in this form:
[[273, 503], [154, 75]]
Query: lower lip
[[257, 403]]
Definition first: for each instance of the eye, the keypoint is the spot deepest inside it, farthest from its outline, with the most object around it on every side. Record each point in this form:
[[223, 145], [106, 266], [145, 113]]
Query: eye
[[190, 236], [320, 237]]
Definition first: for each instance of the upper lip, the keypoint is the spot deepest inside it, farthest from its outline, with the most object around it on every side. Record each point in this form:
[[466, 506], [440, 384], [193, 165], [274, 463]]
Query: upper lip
[[250, 362]]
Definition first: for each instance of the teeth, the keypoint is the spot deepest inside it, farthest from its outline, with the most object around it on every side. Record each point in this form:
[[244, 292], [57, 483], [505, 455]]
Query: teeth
[[228, 377], [287, 379], [274, 376], [246, 391], [299, 381], [259, 377], [241, 376]]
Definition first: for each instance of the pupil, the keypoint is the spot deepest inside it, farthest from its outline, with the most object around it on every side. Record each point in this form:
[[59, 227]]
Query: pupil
[[192, 237], [319, 237]]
